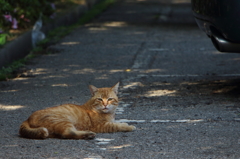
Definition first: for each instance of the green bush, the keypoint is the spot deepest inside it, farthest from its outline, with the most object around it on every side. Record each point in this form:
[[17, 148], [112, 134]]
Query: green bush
[[26, 12]]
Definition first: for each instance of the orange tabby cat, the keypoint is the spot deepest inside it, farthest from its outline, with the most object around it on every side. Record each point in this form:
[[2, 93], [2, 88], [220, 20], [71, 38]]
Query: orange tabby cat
[[71, 121]]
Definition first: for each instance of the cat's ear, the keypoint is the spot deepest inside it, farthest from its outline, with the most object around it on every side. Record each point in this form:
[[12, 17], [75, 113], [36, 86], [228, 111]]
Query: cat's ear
[[93, 89], [115, 88]]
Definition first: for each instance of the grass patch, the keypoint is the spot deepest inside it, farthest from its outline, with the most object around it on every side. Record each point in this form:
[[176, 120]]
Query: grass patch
[[8, 71], [53, 37], [56, 34], [96, 10]]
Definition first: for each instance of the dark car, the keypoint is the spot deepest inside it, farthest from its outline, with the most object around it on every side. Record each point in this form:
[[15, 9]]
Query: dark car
[[220, 20]]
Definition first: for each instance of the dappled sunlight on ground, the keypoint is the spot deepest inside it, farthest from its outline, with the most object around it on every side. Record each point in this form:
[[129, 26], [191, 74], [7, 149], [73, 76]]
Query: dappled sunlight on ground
[[70, 43], [157, 93], [132, 84], [54, 76], [157, 71], [60, 85], [116, 71], [236, 59], [82, 71], [114, 148], [10, 107], [97, 29], [169, 1], [206, 85], [115, 24], [7, 91], [181, 1]]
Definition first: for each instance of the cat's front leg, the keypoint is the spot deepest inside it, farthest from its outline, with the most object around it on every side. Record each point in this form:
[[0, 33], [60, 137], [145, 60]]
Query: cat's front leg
[[125, 127], [110, 127], [72, 133]]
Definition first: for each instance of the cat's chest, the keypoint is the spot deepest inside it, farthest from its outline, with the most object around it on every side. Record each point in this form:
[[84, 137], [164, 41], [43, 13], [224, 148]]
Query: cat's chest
[[112, 120]]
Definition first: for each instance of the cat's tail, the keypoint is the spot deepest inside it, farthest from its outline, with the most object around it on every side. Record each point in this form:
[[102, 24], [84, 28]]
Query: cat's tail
[[32, 133]]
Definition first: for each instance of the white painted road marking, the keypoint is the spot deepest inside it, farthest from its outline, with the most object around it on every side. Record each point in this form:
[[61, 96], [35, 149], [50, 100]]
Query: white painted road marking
[[189, 75], [160, 121], [102, 141], [178, 121], [128, 121]]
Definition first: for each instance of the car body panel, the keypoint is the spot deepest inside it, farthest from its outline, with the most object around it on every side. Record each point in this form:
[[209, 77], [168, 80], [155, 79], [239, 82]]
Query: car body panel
[[219, 16]]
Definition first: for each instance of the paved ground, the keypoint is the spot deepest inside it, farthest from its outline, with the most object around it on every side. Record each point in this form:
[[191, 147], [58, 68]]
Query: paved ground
[[180, 93]]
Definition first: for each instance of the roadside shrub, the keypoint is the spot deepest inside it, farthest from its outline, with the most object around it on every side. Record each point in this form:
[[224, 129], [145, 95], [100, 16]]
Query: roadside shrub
[[18, 14]]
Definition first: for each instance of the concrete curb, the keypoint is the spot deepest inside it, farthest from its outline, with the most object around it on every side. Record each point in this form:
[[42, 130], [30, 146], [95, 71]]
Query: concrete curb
[[21, 46]]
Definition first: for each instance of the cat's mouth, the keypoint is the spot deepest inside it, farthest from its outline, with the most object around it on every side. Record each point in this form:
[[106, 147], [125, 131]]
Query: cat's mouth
[[105, 110]]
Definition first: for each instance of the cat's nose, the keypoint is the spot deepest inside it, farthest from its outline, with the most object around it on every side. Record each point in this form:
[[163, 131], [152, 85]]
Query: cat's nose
[[105, 104]]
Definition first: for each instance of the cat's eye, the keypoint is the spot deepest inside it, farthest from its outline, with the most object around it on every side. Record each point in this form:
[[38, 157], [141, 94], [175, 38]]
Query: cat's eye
[[100, 99], [109, 99]]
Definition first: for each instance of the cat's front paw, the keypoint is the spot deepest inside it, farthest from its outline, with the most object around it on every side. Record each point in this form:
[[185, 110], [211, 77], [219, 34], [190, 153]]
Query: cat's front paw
[[89, 135], [126, 127], [132, 127]]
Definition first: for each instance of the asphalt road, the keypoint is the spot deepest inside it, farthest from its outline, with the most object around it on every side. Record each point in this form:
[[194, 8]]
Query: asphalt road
[[180, 93]]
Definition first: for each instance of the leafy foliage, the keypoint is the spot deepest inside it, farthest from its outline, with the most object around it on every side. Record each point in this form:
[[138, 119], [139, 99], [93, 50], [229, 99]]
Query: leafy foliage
[[26, 12]]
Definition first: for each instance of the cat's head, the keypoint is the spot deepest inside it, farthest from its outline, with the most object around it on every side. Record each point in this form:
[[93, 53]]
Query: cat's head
[[105, 100]]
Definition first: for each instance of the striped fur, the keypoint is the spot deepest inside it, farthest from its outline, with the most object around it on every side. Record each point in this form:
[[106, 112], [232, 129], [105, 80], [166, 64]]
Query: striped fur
[[70, 121]]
